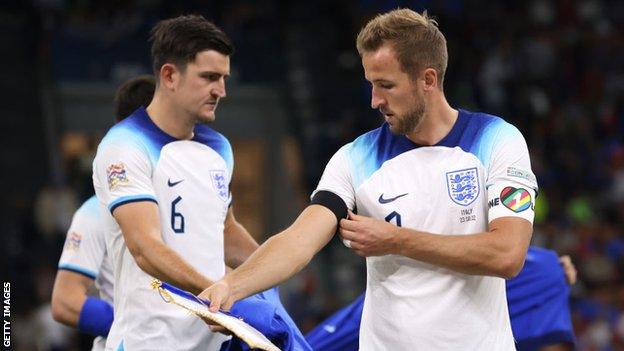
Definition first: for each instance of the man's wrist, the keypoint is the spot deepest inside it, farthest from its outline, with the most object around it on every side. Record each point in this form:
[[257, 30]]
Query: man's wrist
[[398, 241], [233, 288], [96, 317], [402, 240]]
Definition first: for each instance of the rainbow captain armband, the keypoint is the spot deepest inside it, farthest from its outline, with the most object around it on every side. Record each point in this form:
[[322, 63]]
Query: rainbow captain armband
[[199, 307], [96, 317]]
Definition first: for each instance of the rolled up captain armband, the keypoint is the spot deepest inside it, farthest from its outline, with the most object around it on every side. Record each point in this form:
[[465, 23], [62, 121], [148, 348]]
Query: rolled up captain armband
[[96, 317]]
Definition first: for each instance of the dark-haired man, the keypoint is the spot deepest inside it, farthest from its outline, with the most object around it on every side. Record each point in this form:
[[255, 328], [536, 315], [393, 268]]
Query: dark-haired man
[[162, 178]]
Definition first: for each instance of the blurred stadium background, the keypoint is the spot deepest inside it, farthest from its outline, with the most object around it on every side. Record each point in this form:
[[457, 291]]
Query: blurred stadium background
[[553, 68]]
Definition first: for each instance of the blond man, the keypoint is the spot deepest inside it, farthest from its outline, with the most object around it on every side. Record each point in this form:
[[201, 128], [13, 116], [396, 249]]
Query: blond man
[[444, 200]]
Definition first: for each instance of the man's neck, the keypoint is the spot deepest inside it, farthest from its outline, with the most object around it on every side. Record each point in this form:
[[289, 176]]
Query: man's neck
[[173, 122], [437, 122]]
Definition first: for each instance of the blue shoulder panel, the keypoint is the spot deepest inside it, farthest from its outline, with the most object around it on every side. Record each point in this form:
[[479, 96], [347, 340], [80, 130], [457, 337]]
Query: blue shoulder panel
[[215, 141], [139, 129], [474, 133], [477, 133], [368, 152]]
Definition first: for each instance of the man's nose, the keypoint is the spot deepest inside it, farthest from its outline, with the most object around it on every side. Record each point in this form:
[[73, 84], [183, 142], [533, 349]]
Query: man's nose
[[376, 99]]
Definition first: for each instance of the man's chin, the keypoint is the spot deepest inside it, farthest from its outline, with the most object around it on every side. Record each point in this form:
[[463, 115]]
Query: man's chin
[[395, 129], [206, 118]]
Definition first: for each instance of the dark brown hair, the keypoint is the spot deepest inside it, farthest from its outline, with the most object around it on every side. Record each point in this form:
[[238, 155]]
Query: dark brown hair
[[178, 40], [133, 94]]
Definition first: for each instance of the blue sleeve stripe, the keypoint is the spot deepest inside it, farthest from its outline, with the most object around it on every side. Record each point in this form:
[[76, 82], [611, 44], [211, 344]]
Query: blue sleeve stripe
[[128, 199], [77, 269]]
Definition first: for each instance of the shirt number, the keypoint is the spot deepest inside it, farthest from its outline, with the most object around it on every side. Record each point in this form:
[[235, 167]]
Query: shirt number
[[177, 219], [396, 216]]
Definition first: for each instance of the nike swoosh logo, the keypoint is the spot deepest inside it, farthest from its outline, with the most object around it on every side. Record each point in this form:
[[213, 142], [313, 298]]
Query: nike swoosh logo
[[170, 183], [385, 201]]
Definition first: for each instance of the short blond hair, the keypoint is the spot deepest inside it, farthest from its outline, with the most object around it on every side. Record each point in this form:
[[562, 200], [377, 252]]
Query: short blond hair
[[415, 37]]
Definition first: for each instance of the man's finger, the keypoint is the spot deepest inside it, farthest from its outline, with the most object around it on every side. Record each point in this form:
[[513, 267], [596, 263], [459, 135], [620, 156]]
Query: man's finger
[[216, 327], [347, 234], [215, 304], [347, 224], [359, 253], [356, 246], [356, 217], [220, 329], [227, 305]]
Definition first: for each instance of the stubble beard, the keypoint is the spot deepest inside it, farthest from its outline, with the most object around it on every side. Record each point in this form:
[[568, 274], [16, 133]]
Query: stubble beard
[[203, 118], [199, 119], [410, 121]]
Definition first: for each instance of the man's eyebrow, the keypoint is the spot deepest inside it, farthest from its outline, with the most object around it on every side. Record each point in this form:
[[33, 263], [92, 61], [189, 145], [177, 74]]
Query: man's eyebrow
[[209, 73]]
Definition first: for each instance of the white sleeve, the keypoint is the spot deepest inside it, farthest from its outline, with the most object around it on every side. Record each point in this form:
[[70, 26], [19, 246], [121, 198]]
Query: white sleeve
[[85, 245], [511, 184], [337, 178], [122, 173]]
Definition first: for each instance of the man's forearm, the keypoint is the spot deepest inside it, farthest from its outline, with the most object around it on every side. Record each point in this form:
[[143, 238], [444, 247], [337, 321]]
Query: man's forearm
[[492, 253], [163, 263], [274, 262], [66, 306], [239, 244], [284, 254]]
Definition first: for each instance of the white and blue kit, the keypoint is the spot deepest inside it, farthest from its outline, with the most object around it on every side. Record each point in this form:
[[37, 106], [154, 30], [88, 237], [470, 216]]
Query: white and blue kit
[[477, 173], [189, 180], [538, 301], [85, 253]]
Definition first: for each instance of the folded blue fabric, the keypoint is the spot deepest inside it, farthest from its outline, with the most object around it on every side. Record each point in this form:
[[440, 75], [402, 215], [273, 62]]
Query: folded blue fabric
[[341, 331], [265, 312]]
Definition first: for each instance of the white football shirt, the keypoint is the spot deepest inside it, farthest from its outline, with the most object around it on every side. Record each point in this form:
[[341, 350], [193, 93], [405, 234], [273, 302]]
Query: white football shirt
[[479, 172], [85, 253], [189, 180]]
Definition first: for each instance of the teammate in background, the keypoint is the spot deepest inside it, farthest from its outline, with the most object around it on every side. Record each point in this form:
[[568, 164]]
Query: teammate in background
[[162, 179], [133, 94], [445, 202], [84, 259], [538, 300]]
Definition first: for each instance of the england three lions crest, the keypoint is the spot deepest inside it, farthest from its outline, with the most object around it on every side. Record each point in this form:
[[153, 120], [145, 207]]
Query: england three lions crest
[[463, 185], [220, 184]]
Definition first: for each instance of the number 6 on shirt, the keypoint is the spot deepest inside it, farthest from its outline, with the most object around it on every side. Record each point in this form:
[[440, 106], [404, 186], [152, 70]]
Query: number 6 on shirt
[[179, 228]]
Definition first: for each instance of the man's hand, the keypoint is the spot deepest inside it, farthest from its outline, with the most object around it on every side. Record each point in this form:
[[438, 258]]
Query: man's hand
[[568, 268], [218, 294], [368, 236]]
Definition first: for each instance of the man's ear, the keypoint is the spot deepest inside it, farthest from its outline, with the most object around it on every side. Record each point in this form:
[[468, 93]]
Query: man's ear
[[169, 75], [430, 78]]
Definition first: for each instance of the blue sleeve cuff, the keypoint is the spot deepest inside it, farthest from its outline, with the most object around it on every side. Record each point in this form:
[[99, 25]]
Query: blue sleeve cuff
[[77, 269], [96, 317], [128, 199]]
